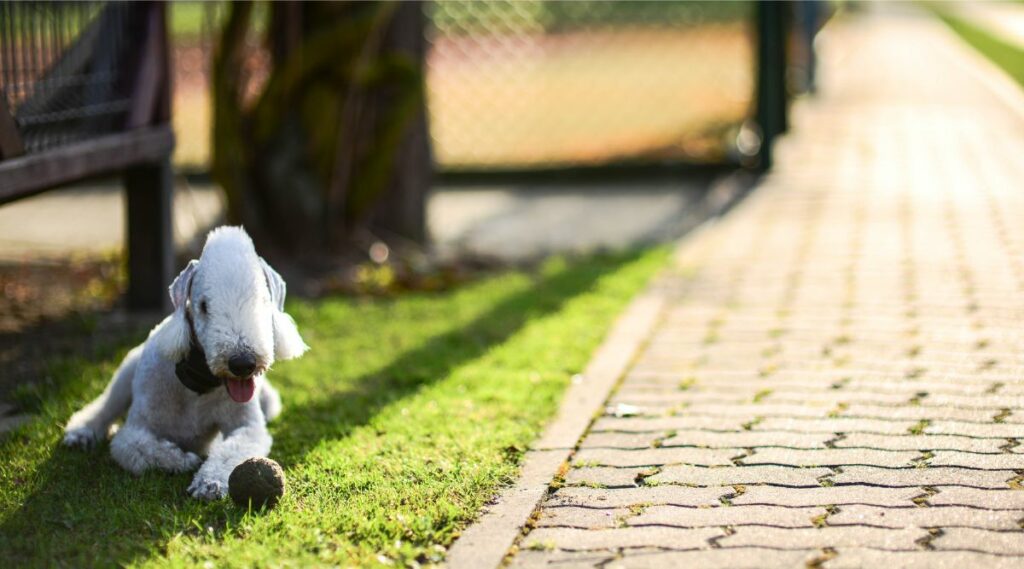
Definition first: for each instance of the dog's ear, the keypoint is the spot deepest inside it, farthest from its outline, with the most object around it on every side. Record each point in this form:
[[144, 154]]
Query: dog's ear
[[288, 344], [173, 338]]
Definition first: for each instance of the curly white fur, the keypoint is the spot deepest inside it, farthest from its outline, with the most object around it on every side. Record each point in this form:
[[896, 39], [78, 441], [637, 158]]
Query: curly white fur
[[235, 301]]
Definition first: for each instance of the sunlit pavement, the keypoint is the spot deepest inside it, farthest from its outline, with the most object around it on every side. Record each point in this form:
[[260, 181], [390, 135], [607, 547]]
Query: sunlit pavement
[[1004, 19], [89, 220], [836, 379], [524, 222], [498, 222]]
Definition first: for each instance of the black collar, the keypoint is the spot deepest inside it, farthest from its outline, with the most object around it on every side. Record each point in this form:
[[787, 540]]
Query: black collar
[[192, 371]]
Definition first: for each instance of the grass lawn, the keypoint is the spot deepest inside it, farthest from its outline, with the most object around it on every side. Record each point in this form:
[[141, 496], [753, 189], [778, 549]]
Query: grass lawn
[[1006, 55], [406, 416]]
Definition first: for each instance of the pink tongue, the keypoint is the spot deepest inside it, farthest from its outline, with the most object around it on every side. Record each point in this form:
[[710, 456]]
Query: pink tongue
[[240, 390]]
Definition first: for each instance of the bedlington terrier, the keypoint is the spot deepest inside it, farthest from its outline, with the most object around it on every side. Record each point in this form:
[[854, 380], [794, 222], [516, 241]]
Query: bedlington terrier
[[227, 329]]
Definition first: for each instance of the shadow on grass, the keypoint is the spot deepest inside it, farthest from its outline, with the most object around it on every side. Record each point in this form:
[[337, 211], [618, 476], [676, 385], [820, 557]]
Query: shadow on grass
[[82, 509], [28, 355]]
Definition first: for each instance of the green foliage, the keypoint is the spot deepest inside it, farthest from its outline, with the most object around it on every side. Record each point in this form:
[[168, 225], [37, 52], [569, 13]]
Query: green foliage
[[186, 19], [406, 416]]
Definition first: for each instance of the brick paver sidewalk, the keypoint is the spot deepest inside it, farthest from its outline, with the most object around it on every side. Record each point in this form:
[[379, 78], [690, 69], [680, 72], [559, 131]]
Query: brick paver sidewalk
[[837, 379]]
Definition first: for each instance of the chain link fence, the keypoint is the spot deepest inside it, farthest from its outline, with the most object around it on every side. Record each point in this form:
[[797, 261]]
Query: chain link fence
[[62, 69], [529, 84], [538, 84]]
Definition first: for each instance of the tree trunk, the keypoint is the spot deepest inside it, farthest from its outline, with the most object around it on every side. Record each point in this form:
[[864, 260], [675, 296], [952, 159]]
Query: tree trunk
[[336, 143], [401, 209]]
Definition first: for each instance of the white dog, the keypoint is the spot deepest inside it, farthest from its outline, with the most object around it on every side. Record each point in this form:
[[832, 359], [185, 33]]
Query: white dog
[[227, 329]]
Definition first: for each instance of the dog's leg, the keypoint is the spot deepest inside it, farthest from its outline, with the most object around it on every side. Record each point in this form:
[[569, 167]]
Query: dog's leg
[[246, 441], [137, 449], [92, 423], [270, 401]]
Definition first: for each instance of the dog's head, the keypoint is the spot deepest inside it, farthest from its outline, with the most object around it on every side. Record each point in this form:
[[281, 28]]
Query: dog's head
[[229, 310]]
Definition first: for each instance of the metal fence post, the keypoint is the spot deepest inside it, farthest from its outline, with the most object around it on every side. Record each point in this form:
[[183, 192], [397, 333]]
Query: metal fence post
[[149, 190], [771, 75], [149, 187]]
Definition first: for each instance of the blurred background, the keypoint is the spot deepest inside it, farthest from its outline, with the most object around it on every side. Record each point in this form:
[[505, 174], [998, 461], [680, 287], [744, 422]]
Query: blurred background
[[368, 147], [538, 84]]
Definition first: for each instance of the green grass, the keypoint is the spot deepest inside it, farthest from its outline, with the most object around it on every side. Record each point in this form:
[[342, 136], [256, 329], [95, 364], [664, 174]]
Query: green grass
[[1007, 56], [188, 19], [402, 421]]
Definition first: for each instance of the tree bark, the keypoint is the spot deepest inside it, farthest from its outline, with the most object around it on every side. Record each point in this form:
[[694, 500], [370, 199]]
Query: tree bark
[[402, 208], [336, 144]]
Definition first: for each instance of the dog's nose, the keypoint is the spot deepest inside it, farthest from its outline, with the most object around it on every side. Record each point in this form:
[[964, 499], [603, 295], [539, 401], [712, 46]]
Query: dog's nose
[[242, 365]]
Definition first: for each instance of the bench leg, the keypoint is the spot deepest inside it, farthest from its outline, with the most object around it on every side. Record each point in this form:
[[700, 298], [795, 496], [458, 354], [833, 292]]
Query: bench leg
[[150, 192]]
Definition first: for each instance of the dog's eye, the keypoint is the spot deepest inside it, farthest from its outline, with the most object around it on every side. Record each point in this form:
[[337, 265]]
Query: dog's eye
[[202, 307]]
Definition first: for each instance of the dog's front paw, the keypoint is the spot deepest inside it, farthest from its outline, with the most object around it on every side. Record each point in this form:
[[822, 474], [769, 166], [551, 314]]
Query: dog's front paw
[[206, 489], [81, 438]]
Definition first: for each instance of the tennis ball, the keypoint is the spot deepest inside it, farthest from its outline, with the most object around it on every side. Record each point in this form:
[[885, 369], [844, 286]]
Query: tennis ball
[[259, 481]]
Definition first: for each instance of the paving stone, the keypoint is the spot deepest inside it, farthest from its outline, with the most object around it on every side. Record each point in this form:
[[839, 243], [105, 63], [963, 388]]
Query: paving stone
[[913, 516], [647, 424], [655, 456], [721, 381], [830, 457], [823, 496], [731, 558], [994, 499], [653, 536], [870, 389], [750, 410], [835, 425], [1011, 542], [604, 476], [540, 557], [828, 536], [857, 558], [622, 440], [931, 476], [669, 398], [726, 516], [993, 430], [728, 475], [625, 497], [921, 442], [747, 439], [895, 385], [831, 397], [993, 402], [579, 517], [1003, 461], [918, 412], [1015, 390]]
